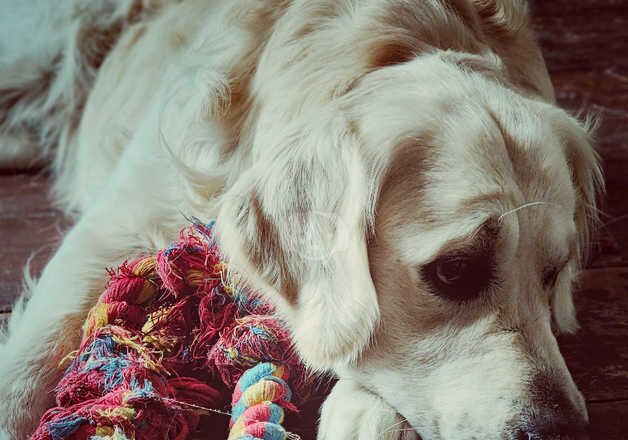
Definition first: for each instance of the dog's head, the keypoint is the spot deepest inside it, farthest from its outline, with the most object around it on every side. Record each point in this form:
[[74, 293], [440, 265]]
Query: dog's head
[[424, 240]]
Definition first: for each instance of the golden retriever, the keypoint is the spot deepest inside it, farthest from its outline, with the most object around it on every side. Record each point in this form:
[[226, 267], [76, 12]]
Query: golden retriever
[[394, 175]]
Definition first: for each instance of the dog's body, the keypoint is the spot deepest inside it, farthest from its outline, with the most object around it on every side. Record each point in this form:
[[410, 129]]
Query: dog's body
[[367, 161]]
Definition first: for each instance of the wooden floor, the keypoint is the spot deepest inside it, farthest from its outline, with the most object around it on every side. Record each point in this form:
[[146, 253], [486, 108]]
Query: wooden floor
[[586, 47]]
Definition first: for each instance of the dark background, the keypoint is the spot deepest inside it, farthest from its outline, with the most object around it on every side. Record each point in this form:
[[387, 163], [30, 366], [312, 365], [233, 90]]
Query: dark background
[[586, 47]]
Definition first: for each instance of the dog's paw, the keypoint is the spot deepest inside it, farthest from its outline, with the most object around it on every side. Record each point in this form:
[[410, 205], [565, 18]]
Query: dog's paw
[[351, 412], [24, 394]]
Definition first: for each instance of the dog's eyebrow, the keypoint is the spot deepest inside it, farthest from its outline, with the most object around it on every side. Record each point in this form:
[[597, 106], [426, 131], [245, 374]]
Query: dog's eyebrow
[[472, 204], [486, 234], [481, 239]]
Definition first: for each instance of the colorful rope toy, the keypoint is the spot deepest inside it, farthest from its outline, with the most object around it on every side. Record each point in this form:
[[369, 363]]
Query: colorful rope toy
[[169, 335]]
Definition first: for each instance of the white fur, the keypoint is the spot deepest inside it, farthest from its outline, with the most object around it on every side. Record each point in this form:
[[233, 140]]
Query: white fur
[[370, 416]]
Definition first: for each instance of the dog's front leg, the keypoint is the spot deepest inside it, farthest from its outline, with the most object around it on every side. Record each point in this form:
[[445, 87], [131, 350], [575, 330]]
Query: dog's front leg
[[351, 412], [117, 226], [49, 327]]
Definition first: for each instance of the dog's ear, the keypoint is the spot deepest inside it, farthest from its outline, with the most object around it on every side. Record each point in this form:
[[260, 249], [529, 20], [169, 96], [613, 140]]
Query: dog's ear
[[294, 224], [586, 175]]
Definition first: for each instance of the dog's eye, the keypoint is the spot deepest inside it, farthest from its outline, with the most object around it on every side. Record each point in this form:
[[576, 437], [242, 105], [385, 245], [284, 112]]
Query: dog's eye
[[450, 272], [459, 277]]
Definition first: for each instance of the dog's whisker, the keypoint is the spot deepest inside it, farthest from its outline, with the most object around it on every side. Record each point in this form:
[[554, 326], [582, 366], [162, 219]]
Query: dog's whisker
[[526, 205], [391, 427]]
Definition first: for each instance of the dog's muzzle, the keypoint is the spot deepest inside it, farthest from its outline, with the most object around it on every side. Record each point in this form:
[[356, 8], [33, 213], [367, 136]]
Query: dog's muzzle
[[556, 420]]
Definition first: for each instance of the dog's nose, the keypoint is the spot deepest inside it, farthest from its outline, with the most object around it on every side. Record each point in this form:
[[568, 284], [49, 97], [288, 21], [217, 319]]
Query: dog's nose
[[555, 413], [553, 432], [553, 424]]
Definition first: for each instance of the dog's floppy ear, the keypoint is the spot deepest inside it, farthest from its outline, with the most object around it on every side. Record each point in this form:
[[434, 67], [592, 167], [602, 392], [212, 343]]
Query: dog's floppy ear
[[586, 175], [294, 225]]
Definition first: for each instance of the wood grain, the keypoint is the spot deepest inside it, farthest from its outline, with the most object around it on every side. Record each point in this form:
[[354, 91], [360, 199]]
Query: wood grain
[[608, 420], [30, 229], [597, 355]]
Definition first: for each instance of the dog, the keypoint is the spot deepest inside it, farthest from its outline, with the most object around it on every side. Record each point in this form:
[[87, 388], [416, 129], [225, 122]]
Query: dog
[[393, 175]]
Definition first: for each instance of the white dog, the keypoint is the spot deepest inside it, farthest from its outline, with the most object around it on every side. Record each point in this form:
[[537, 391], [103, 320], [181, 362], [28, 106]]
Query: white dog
[[393, 174]]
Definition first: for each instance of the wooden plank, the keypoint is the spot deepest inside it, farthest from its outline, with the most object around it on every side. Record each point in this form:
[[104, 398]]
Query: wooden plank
[[25, 195], [603, 94], [579, 43], [609, 420], [577, 8], [609, 245], [598, 354], [30, 230], [582, 37]]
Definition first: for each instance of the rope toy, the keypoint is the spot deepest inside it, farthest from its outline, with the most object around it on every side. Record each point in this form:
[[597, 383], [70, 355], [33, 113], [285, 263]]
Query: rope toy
[[171, 333]]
